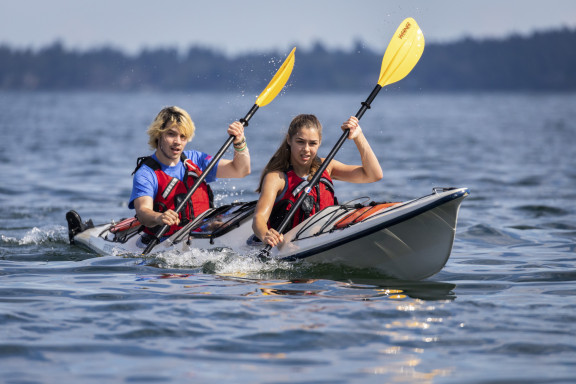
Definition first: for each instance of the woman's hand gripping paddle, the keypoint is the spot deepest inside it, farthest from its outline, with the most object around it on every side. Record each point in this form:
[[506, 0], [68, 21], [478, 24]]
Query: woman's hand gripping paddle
[[402, 54], [268, 94]]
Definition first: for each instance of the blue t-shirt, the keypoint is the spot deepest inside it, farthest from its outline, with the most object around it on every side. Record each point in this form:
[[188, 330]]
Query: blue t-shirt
[[145, 182]]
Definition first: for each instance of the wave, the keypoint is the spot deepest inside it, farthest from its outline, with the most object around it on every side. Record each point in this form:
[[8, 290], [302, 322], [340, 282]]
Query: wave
[[219, 261], [537, 211], [39, 236]]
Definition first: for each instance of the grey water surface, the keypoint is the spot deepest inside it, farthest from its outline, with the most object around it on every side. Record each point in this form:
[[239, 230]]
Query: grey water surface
[[503, 310]]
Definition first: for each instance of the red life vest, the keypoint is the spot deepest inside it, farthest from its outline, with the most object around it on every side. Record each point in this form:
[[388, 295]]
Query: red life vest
[[320, 197], [171, 191]]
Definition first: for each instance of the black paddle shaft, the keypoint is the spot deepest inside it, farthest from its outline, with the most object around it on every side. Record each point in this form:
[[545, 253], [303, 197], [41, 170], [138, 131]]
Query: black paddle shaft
[[156, 239], [288, 218]]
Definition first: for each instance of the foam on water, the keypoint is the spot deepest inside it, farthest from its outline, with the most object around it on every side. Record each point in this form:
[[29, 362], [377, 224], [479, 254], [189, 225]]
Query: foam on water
[[220, 261], [39, 236]]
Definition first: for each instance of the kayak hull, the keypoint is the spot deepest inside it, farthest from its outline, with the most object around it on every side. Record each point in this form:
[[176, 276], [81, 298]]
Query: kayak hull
[[414, 248], [411, 240]]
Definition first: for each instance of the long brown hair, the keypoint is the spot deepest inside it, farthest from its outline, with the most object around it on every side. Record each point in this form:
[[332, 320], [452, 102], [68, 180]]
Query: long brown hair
[[280, 161]]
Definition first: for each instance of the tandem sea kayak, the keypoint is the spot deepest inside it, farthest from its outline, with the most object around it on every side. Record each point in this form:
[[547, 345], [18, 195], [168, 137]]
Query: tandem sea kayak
[[409, 240]]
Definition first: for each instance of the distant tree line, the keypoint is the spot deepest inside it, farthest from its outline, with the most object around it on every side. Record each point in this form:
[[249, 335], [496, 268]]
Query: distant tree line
[[544, 61]]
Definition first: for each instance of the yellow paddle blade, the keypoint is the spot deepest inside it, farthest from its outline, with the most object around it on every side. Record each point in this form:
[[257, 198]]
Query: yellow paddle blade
[[278, 81], [403, 52]]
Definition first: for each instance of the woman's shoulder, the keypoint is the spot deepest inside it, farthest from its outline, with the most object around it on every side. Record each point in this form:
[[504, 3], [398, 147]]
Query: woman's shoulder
[[333, 164], [277, 178], [275, 175]]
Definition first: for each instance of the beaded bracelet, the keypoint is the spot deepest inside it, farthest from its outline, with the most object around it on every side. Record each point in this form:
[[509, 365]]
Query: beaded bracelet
[[240, 149], [240, 143]]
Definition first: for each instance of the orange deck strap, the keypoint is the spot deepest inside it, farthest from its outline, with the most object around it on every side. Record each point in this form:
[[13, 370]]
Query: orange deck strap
[[361, 214], [124, 225], [376, 208], [350, 218]]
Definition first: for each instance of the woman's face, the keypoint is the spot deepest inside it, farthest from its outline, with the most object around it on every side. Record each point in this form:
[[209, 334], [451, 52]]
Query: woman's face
[[304, 146]]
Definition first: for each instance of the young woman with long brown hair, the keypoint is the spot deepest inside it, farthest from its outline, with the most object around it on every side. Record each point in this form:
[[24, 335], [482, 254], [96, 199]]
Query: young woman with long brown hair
[[285, 176]]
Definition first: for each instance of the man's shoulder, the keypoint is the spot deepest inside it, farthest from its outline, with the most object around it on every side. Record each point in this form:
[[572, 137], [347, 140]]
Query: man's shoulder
[[194, 155], [145, 170]]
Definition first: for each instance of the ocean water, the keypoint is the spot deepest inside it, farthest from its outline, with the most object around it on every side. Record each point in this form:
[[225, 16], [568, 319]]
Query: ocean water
[[503, 310]]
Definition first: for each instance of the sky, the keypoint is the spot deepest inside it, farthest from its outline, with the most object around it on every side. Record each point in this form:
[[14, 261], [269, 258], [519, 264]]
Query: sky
[[240, 26]]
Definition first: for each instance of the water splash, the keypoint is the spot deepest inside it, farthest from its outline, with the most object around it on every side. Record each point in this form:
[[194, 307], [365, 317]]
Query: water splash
[[219, 261], [39, 236]]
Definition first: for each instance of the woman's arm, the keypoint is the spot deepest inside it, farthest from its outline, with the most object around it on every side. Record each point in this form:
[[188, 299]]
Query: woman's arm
[[239, 166], [370, 170], [272, 185]]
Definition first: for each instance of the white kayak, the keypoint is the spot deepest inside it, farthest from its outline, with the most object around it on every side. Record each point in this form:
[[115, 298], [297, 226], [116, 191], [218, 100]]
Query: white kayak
[[409, 240]]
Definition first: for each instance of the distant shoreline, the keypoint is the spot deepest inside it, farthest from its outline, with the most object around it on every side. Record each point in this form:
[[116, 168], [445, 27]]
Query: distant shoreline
[[542, 61]]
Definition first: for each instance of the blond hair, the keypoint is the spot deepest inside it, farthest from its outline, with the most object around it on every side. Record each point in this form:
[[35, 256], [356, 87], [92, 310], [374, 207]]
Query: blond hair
[[280, 161], [162, 121]]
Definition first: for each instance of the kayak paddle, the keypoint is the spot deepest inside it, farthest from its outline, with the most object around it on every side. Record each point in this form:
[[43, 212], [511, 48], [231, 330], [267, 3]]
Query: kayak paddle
[[268, 94], [402, 54]]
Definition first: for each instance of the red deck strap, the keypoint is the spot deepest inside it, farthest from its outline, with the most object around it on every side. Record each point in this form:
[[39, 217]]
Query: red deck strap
[[124, 225]]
